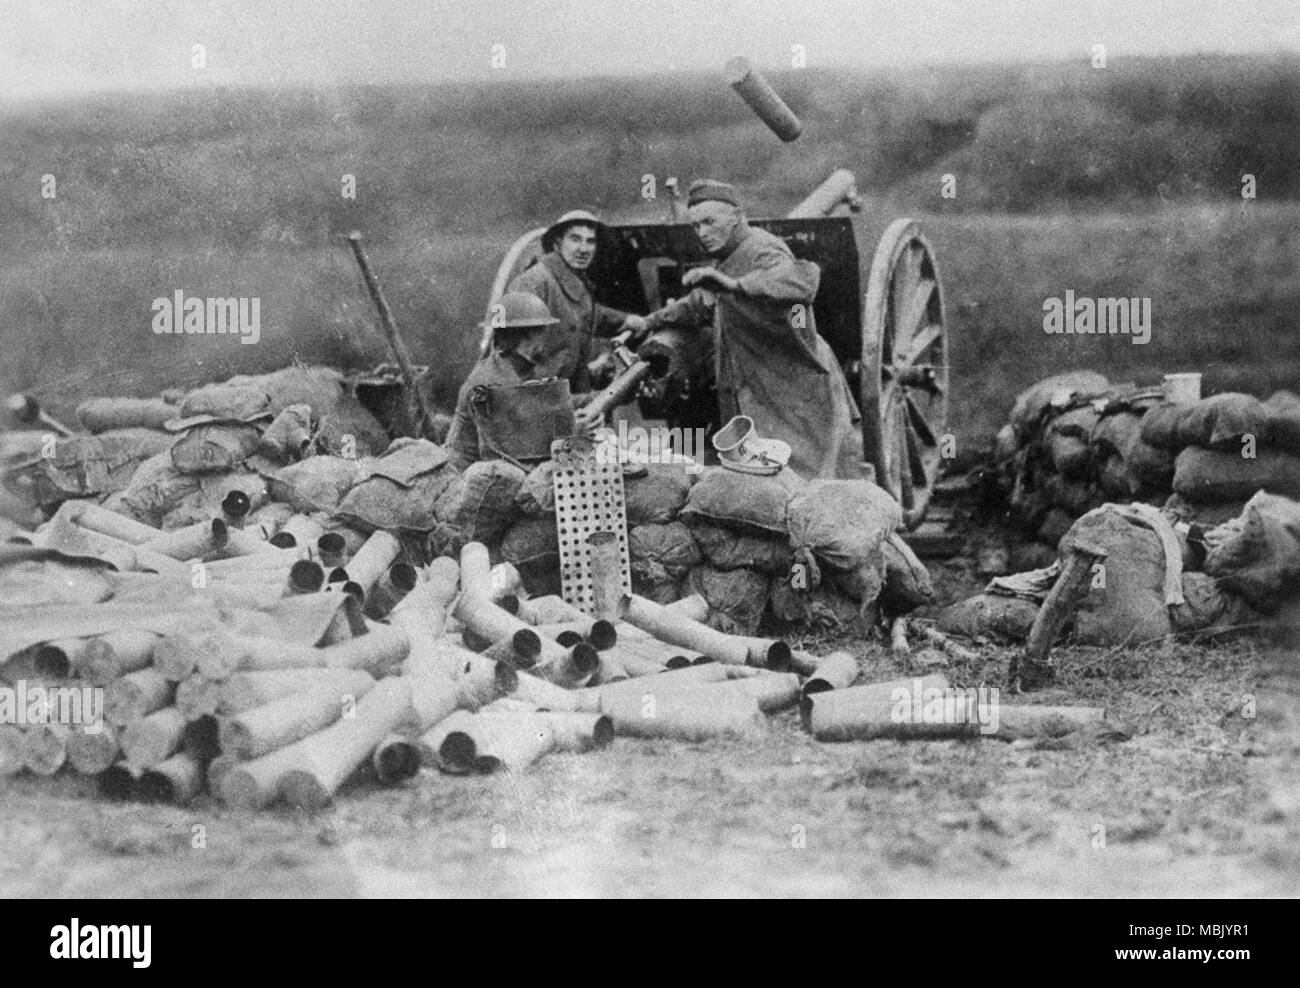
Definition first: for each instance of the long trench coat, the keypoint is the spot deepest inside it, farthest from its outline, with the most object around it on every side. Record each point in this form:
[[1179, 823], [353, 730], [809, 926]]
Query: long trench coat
[[771, 364], [567, 347]]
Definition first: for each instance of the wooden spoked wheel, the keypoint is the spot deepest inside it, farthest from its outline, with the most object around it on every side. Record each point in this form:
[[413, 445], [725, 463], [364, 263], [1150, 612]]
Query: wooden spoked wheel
[[904, 370], [521, 254]]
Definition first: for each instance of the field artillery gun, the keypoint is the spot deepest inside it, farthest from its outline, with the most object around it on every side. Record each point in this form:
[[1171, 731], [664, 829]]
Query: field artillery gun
[[884, 321]]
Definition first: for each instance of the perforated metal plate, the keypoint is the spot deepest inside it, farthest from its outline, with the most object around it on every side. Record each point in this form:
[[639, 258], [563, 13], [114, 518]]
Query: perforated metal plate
[[588, 484]]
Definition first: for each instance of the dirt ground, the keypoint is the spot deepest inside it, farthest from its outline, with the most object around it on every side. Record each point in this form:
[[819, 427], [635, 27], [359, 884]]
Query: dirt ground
[[1182, 793]]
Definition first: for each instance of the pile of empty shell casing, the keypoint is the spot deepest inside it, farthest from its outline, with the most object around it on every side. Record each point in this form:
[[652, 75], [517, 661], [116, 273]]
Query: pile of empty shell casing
[[223, 663]]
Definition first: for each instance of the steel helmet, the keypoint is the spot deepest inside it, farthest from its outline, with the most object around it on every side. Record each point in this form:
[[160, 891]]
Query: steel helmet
[[573, 217], [520, 310]]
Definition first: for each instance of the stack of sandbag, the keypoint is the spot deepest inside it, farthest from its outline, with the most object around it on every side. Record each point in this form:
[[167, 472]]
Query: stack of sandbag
[[1225, 449], [268, 455], [1074, 442], [169, 461], [1155, 581], [1257, 555]]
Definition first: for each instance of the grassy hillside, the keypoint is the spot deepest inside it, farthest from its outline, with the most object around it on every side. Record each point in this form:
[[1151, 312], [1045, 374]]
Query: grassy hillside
[[1116, 181]]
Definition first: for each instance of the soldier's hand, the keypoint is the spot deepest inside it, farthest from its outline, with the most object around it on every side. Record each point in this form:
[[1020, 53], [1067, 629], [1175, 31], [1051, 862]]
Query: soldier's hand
[[637, 326], [586, 420], [697, 276]]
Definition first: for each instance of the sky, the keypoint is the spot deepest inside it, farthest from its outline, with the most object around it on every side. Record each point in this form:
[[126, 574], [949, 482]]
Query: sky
[[70, 47]]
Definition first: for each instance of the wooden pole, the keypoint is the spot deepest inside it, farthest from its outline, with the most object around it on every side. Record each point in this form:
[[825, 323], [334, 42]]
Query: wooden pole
[[1034, 666]]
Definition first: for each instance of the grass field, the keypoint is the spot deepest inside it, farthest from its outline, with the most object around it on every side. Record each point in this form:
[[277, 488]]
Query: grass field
[[1224, 283], [1117, 182]]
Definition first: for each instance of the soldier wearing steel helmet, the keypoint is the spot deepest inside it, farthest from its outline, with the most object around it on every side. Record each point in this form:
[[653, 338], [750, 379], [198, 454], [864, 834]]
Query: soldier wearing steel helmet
[[519, 354], [559, 278]]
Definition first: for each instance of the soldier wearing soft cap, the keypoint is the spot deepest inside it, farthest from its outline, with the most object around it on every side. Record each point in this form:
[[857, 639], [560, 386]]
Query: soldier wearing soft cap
[[771, 363]]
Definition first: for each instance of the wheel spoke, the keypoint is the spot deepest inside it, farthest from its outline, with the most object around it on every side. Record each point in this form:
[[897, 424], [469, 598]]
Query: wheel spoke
[[919, 424], [914, 314], [907, 275], [917, 346]]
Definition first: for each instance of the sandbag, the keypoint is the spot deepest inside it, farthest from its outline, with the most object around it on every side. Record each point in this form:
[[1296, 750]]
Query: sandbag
[[1208, 609], [862, 584], [1260, 559], [232, 402], [318, 483], [736, 597], [726, 549], [537, 493], [907, 583], [824, 609], [743, 502], [214, 446], [205, 503], [1070, 455], [1054, 526], [1072, 496], [345, 426], [1113, 477], [665, 592], [1206, 475], [841, 523], [482, 508], [1078, 422], [1148, 468], [1217, 422], [1117, 433], [101, 464], [1130, 608], [1033, 401], [409, 487], [532, 542], [989, 616], [289, 436], [155, 489], [1207, 515], [658, 495], [663, 553], [1283, 408]]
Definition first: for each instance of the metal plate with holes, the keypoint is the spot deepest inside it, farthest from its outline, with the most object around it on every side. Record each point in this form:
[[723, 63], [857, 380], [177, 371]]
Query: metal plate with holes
[[588, 484]]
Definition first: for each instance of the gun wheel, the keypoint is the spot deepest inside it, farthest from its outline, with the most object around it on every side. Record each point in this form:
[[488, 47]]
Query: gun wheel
[[904, 379]]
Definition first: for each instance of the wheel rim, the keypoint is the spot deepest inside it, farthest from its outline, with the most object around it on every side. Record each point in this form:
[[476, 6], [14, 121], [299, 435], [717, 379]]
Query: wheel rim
[[521, 254], [904, 371]]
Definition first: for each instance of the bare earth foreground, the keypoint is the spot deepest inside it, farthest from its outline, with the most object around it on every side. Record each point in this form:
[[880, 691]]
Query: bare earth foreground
[[1180, 794], [1198, 802]]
